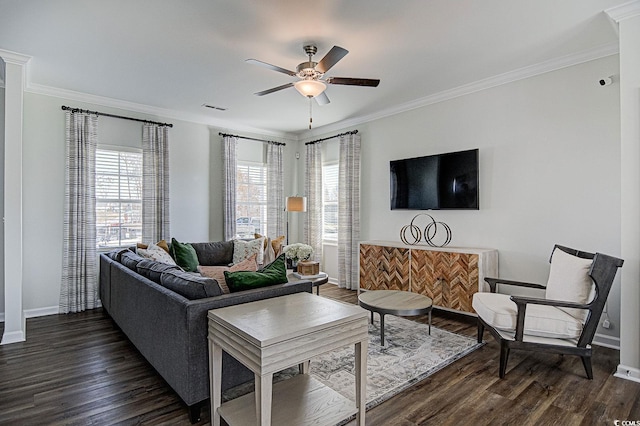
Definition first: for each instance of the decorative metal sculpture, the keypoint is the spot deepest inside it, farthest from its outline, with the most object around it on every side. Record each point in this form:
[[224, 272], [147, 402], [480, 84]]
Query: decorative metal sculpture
[[429, 232]]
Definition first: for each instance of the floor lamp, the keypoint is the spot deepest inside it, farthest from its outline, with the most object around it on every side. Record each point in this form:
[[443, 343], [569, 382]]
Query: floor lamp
[[295, 204]]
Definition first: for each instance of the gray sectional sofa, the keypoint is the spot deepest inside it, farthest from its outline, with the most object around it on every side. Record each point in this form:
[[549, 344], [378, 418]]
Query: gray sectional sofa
[[163, 312]]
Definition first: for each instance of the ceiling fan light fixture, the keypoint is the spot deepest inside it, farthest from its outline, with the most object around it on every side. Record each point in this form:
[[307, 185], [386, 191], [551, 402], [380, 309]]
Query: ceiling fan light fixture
[[310, 88]]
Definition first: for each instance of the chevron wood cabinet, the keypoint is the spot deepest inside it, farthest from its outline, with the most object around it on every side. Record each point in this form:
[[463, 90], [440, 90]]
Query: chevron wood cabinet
[[450, 275]]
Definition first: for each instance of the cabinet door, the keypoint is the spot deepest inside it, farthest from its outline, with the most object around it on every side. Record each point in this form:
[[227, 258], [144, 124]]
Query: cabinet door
[[449, 279], [384, 268], [462, 281], [429, 273]]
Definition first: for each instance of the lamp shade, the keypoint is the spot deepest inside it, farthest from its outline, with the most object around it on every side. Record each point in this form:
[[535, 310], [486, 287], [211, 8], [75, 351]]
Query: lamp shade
[[310, 88], [296, 204]]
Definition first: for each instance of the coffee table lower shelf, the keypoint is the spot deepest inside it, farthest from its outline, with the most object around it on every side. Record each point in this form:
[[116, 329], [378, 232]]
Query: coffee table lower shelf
[[301, 400]]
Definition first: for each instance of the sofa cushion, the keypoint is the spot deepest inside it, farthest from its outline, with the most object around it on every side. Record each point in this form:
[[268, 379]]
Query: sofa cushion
[[152, 270], [219, 253], [217, 272], [245, 249], [156, 253], [499, 311], [131, 260], [189, 285], [274, 273], [569, 281], [184, 255]]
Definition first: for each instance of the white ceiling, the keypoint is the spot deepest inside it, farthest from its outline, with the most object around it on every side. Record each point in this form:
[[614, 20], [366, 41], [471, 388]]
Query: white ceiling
[[176, 55]]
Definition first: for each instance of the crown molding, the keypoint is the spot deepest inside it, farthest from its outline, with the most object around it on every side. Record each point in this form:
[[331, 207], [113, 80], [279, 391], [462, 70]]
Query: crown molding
[[14, 57], [225, 125], [501, 79], [624, 11]]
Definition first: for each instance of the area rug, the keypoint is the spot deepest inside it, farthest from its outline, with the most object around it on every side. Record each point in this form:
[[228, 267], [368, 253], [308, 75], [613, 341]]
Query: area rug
[[410, 354]]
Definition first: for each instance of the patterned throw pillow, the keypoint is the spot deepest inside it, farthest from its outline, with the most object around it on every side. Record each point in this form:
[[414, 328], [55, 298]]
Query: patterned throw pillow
[[245, 249], [162, 244], [156, 253], [217, 272]]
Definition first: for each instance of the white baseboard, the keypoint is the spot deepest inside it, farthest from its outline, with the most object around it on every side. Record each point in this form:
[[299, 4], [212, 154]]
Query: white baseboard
[[628, 373], [38, 312], [606, 341], [41, 312], [12, 337]]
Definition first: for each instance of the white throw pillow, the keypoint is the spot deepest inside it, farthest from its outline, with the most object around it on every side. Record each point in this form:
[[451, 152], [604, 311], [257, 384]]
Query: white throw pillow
[[569, 281], [156, 253], [245, 249]]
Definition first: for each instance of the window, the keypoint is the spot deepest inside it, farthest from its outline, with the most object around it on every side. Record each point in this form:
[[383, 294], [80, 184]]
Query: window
[[118, 197], [251, 199], [330, 202]]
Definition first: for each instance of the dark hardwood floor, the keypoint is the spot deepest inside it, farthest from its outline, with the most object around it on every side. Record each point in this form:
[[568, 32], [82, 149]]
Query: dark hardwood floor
[[80, 369]]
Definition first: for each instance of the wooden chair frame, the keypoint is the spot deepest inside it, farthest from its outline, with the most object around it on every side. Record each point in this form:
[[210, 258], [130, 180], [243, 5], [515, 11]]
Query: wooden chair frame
[[602, 272]]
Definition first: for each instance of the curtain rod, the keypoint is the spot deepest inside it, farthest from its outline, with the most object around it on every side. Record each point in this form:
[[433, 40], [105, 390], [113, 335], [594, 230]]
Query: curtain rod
[[252, 139], [66, 108], [353, 132]]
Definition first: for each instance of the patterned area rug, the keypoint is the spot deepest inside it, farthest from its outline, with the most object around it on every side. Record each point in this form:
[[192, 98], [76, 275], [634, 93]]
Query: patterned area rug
[[410, 354]]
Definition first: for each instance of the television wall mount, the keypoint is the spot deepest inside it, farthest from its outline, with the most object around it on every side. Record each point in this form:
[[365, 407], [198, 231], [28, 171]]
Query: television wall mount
[[429, 233]]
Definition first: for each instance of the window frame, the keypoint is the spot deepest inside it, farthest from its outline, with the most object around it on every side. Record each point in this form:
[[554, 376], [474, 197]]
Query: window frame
[[119, 200], [331, 238], [263, 204]]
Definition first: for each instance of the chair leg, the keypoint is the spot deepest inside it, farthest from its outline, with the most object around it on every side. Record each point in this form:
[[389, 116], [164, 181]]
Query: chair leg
[[586, 361], [480, 330], [504, 357]]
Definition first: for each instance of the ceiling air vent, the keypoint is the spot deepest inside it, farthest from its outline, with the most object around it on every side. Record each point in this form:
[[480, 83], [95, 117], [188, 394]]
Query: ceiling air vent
[[214, 107]]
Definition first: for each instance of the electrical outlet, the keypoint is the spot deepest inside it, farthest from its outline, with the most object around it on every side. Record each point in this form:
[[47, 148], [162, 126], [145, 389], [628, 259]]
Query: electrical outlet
[[606, 323]]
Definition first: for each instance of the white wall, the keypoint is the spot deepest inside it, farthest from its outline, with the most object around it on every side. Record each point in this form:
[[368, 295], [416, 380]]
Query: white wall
[[2, 196], [630, 123], [549, 168], [195, 186]]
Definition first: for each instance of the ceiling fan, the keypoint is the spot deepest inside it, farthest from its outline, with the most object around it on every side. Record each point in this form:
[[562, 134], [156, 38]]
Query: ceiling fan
[[312, 83]]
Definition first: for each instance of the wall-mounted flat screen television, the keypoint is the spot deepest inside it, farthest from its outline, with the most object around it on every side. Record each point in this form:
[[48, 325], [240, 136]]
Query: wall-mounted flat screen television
[[436, 182]]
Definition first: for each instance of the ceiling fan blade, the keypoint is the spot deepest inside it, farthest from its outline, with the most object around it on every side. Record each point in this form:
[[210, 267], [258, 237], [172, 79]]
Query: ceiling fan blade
[[322, 99], [275, 89], [330, 59], [353, 81], [271, 67]]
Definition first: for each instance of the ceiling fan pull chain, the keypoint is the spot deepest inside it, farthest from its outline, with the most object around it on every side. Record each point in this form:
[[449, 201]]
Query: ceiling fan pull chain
[[310, 111]]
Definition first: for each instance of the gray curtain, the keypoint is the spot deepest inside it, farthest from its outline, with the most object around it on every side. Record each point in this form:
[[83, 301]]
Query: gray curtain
[[230, 161], [348, 211], [155, 183], [79, 287], [275, 190], [313, 191]]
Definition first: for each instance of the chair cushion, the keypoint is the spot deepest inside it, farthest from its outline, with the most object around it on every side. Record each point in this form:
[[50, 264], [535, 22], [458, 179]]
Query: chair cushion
[[569, 281], [500, 312]]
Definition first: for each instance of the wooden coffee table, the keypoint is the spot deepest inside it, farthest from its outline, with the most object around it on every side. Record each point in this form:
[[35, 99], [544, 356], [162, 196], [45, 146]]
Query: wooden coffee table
[[270, 335], [395, 302]]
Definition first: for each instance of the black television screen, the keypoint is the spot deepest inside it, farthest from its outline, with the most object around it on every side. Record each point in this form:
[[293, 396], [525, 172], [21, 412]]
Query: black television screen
[[436, 182]]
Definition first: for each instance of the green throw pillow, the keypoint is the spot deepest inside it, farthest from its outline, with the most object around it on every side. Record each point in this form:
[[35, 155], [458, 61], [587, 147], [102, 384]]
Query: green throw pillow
[[273, 273], [184, 255]]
